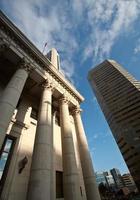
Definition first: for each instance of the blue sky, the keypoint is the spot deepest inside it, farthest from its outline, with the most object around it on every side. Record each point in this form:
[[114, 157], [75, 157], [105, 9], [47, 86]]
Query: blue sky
[[85, 32]]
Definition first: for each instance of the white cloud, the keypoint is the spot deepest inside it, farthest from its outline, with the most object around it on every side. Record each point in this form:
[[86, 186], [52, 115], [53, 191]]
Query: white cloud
[[92, 150], [59, 24], [68, 69], [51, 25], [95, 136], [109, 19], [137, 48], [103, 135], [77, 6]]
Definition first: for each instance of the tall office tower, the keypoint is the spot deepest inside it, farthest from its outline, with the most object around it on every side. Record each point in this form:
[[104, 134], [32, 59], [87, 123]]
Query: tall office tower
[[118, 94], [128, 182], [117, 177], [109, 179], [105, 178], [44, 153]]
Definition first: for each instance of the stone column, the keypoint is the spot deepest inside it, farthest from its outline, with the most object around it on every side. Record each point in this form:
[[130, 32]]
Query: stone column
[[21, 124], [53, 182], [41, 170], [87, 167], [10, 98], [71, 182]]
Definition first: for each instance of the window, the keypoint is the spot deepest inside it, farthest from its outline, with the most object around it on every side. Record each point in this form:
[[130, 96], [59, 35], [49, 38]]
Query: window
[[5, 156], [58, 62], [59, 184], [34, 113]]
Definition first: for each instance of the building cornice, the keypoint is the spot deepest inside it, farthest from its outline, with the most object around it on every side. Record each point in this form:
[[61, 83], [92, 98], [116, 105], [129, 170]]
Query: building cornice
[[36, 55]]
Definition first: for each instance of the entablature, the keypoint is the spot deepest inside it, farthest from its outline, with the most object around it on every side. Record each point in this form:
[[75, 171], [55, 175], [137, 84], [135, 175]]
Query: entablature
[[16, 41]]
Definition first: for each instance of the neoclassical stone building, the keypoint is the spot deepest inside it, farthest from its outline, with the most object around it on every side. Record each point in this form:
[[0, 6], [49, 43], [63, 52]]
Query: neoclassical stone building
[[44, 152]]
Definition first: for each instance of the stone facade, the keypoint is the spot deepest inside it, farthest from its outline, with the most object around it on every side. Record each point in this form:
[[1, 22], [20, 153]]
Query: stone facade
[[44, 151]]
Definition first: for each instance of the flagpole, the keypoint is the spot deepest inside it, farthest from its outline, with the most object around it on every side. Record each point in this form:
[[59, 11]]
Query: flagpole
[[44, 47]]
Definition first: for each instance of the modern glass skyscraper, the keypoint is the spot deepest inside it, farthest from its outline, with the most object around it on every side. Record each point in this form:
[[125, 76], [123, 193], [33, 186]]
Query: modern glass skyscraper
[[117, 177], [118, 94]]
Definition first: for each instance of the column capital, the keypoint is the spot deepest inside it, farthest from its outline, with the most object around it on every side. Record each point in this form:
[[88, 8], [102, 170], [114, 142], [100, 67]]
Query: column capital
[[76, 110], [64, 100], [3, 47], [23, 64], [47, 84]]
